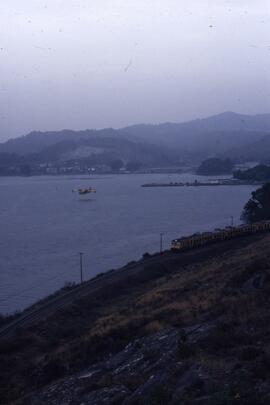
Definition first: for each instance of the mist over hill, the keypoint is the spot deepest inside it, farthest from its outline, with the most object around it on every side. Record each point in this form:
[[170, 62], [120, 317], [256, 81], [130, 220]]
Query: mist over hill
[[225, 122], [236, 136], [206, 137], [101, 150], [258, 150]]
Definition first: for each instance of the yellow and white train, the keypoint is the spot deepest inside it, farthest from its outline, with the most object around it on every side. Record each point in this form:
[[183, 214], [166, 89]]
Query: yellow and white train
[[230, 232]]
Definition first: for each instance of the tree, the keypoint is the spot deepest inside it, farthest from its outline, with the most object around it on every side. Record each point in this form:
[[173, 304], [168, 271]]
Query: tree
[[25, 169], [133, 166], [215, 166], [258, 206], [257, 173], [116, 165]]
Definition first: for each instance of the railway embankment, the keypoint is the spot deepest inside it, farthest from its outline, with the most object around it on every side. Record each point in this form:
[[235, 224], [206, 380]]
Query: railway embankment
[[190, 327]]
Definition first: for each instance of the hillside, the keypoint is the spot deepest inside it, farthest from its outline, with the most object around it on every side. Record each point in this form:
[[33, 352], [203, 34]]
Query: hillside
[[102, 150], [80, 152], [256, 173], [253, 151], [214, 134], [190, 328], [36, 141], [228, 133], [225, 122]]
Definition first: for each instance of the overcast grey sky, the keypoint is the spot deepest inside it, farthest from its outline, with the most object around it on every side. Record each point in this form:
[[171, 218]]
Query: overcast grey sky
[[109, 63]]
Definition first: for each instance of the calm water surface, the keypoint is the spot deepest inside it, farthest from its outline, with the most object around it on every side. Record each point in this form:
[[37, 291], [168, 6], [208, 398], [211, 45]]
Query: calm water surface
[[44, 226]]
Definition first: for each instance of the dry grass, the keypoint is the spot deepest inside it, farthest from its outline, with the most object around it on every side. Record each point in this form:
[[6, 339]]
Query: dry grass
[[179, 296]]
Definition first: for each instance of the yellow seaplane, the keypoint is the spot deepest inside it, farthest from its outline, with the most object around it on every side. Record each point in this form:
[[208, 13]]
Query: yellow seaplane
[[84, 191]]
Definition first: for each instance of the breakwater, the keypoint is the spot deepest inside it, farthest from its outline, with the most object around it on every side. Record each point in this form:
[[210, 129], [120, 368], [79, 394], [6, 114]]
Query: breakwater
[[211, 183]]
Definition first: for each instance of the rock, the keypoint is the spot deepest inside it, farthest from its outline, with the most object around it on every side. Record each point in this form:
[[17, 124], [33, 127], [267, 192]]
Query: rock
[[146, 371], [253, 283], [189, 381], [107, 396]]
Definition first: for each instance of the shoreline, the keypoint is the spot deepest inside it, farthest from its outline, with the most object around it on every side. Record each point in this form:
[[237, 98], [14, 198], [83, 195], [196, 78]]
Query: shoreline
[[133, 270], [225, 182]]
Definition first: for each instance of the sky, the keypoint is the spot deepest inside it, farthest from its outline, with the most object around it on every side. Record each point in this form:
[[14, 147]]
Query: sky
[[81, 64]]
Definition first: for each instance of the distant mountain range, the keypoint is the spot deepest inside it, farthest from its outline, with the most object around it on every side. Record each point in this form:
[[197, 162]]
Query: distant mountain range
[[225, 122], [206, 137], [240, 137]]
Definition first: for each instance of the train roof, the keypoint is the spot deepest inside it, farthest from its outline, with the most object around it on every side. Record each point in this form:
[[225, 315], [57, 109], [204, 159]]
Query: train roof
[[218, 230]]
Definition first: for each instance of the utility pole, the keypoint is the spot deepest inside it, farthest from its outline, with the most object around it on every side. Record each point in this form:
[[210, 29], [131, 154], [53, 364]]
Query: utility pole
[[81, 266], [231, 220], [161, 242]]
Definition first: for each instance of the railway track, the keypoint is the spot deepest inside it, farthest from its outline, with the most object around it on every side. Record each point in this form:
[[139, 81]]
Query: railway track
[[31, 316], [44, 310], [38, 313]]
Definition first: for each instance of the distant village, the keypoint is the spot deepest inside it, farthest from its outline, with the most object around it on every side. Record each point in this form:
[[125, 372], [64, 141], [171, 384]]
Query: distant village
[[79, 167], [213, 166]]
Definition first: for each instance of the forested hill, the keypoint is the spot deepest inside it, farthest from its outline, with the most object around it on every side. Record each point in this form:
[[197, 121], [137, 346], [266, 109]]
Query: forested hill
[[222, 134], [227, 121], [258, 150], [36, 141], [247, 127], [92, 151]]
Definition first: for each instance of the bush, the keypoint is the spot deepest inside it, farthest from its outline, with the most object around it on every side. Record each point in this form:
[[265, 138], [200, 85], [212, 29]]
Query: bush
[[258, 206], [250, 353]]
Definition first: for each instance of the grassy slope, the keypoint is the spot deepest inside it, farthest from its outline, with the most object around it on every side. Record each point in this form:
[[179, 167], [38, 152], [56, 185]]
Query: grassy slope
[[229, 285]]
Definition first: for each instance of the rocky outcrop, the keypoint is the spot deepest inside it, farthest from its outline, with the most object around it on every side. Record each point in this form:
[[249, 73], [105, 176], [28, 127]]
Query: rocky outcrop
[[150, 370]]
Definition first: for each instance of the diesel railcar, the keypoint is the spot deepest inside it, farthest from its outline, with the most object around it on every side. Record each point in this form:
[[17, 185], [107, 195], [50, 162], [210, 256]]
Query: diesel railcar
[[230, 232]]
